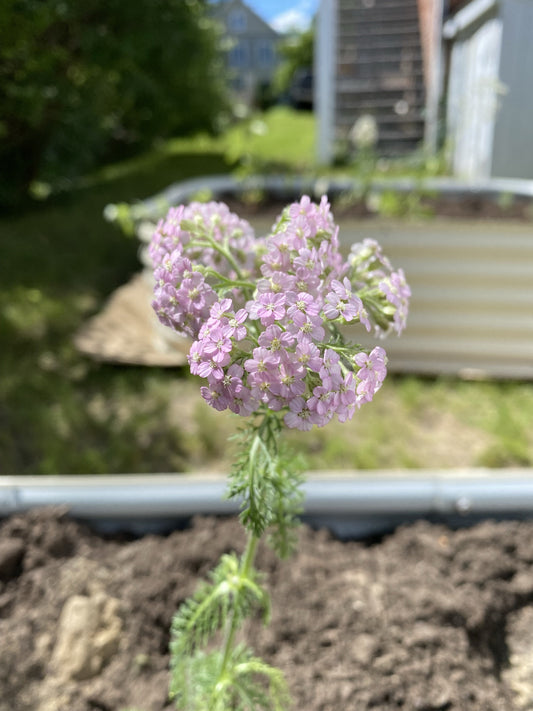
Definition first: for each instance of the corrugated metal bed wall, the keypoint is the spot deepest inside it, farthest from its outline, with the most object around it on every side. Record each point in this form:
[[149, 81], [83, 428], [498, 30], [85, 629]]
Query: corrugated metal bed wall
[[472, 286], [472, 296]]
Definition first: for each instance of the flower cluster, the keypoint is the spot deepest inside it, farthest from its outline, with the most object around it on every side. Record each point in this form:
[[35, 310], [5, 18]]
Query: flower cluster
[[192, 248], [384, 290], [199, 228], [265, 314]]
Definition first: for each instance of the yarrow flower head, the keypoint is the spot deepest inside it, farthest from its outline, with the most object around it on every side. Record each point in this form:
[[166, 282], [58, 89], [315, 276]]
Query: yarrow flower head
[[267, 315], [385, 291]]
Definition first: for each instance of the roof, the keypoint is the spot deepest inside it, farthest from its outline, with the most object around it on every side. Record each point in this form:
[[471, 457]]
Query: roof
[[222, 8]]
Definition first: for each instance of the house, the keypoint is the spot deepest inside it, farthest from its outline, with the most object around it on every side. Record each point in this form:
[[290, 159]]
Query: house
[[438, 73], [478, 55], [489, 89], [252, 56]]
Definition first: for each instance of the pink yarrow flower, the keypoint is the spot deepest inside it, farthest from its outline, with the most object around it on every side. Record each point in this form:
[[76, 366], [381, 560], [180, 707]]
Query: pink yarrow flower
[[268, 307], [267, 320], [299, 415]]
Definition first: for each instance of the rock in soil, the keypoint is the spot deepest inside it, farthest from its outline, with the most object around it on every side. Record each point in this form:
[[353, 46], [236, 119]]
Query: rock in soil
[[425, 619]]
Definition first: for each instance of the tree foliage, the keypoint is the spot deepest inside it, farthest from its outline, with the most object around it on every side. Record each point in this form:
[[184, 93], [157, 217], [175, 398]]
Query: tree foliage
[[297, 52], [84, 82]]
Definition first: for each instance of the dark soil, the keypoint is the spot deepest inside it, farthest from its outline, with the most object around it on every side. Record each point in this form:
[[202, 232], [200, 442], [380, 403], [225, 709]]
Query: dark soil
[[427, 618], [456, 206]]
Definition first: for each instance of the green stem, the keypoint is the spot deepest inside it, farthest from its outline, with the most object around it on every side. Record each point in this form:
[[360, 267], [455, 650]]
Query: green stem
[[231, 283], [210, 242], [263, 431], [227, 254]]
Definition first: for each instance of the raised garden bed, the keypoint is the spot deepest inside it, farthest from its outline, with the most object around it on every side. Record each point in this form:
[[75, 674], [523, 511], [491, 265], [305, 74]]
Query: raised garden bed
[[470, 278], [425, 618]]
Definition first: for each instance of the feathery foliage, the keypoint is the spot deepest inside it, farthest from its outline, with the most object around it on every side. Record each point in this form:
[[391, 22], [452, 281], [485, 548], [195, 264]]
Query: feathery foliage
[[200, 679], [233, 679], [248, 684], [232, 589], [252, 684], [267, 477]]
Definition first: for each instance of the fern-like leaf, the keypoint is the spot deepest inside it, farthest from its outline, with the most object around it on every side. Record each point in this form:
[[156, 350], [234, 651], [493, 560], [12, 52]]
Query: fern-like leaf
[[232, 591], [207, 611], [194, 679], [247, 684], [287, 502], [255, 684], [267, 480]]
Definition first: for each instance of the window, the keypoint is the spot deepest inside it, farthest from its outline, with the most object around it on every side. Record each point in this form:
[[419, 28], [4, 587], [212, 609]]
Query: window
[[237, 21], [238, 56], [265, 53]]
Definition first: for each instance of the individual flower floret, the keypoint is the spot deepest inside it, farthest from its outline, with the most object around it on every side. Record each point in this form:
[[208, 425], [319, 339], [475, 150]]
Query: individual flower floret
[[342, 303], [275, 338], [371, 373], [269, 307], [397, 293], [299, 415]]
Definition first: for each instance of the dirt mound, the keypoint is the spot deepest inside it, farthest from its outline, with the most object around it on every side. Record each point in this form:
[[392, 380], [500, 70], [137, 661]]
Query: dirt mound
[[426, 619]]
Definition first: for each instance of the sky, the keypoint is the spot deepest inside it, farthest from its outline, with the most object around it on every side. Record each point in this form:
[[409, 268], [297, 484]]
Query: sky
[[284, 15]]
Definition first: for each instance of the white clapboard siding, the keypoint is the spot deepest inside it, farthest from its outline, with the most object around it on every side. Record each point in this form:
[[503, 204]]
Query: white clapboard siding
[[472, 296]]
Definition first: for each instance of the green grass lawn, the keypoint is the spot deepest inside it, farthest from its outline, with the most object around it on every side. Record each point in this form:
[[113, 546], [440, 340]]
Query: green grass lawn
[[63, 413]]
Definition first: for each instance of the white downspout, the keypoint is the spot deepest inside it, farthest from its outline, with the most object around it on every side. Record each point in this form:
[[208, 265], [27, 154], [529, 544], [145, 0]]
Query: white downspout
[[325, 79], [435, 85]]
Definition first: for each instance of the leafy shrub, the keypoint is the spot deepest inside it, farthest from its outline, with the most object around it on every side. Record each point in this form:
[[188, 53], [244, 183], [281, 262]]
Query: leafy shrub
[[85, 82]]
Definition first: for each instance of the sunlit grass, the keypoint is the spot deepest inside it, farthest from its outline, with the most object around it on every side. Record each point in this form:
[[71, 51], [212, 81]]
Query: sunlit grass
[[63, 413], [280, 139]]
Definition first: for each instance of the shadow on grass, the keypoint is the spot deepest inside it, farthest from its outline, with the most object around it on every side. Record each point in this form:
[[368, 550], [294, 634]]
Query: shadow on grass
[[65, 243], [60, 412]]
